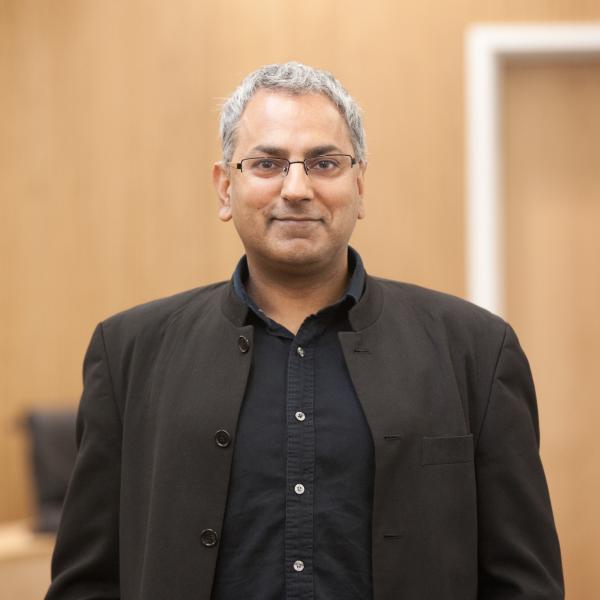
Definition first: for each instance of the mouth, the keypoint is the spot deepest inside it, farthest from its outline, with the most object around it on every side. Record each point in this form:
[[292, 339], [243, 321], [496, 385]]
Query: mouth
[[296, 219], [295, 224]]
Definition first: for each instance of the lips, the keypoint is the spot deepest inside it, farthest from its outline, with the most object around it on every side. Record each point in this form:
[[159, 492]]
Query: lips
[[296, 219]]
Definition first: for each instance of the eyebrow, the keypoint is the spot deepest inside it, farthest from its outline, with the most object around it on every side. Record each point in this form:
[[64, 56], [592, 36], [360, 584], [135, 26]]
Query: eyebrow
[[281, 152], [320, 150]]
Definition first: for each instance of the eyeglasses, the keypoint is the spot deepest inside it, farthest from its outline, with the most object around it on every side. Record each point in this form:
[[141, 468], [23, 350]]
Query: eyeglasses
[[325, 166]]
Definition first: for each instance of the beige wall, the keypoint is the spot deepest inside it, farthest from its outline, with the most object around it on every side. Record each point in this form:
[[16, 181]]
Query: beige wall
[[108, 116], [552, 198]]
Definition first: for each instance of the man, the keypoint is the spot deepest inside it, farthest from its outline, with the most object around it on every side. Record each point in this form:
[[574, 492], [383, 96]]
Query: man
[[304, 431]]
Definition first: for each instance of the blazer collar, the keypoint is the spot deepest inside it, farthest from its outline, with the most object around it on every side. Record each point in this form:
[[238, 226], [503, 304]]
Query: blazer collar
[[369, 307], [234, 308], [363, 314]]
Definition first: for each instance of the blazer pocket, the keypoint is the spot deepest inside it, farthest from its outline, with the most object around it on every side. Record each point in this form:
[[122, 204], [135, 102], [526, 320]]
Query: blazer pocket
[[447, 450]]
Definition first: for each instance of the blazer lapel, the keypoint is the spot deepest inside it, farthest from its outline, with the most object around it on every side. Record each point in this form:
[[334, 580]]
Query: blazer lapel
[[405, 385], [200, 385]]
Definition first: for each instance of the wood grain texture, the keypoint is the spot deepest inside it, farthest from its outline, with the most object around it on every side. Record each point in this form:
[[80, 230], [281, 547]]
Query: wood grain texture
[[552, 183]]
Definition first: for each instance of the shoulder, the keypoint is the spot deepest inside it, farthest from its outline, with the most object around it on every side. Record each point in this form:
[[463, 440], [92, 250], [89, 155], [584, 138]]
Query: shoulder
[[446, 314], [133, 340], [151, 318], [448, 337]]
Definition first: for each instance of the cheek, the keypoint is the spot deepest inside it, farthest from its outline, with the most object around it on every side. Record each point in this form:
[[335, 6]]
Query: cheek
[[249, 213], [345, 207], [250, 199]]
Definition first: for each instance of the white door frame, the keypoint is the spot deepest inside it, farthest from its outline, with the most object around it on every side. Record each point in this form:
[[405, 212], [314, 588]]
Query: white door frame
[[486, 47]]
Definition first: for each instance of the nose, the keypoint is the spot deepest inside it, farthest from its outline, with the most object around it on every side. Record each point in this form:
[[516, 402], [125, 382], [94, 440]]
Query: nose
[[297, 184]]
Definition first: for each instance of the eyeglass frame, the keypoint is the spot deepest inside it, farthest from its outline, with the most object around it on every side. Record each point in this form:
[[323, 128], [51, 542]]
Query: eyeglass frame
[[285, 171]]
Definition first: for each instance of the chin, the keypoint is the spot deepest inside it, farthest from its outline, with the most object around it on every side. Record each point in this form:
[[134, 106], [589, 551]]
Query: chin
[[298, 253]]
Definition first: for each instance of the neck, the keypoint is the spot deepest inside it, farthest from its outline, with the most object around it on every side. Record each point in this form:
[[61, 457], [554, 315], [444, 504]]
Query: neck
[[288, 297]]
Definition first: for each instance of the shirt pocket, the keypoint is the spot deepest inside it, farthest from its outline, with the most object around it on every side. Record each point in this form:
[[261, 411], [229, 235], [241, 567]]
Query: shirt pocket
[[444, 450]]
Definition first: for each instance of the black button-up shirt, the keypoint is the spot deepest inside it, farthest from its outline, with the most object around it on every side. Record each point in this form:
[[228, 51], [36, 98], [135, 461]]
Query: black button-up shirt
[[298, 518]]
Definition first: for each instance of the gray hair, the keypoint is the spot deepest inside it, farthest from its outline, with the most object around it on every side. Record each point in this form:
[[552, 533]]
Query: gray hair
[[292, 78]]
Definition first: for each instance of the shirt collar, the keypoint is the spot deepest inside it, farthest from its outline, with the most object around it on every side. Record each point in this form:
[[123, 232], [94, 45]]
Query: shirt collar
[[353, 292]]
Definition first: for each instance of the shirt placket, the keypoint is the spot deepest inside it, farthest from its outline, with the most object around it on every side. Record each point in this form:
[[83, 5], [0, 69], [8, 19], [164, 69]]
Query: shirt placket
[[299, 518]]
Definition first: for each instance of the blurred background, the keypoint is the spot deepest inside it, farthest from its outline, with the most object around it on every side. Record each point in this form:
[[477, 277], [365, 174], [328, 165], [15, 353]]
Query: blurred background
[[108, 130]]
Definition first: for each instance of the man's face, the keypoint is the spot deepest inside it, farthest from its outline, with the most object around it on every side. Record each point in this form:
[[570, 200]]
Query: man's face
[[298, 220]]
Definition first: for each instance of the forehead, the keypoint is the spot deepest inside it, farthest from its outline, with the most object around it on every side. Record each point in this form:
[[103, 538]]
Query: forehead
[[294, 123]]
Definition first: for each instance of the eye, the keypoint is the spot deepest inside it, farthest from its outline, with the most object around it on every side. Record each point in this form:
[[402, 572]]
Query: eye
[[324, 163], [266, 164]]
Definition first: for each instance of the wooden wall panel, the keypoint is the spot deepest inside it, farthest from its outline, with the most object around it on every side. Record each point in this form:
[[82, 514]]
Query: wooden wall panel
[[108, 115], [552, 155]]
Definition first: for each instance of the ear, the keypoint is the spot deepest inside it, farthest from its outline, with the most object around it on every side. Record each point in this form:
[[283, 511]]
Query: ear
[[222, 183], [360, 185]]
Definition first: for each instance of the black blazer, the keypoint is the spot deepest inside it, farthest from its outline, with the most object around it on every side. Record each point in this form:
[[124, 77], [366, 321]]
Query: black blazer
[[460, 508]]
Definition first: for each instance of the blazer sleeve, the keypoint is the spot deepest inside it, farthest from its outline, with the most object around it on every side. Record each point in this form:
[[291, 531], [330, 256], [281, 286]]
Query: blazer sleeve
[[519, 555], [85, 563]]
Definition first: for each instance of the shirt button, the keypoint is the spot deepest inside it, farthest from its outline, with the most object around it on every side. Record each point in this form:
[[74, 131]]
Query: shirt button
[[222, 438], [298, 566], [300, 351], [208, 537], [300, 416], [299, 489], [243, 344]]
